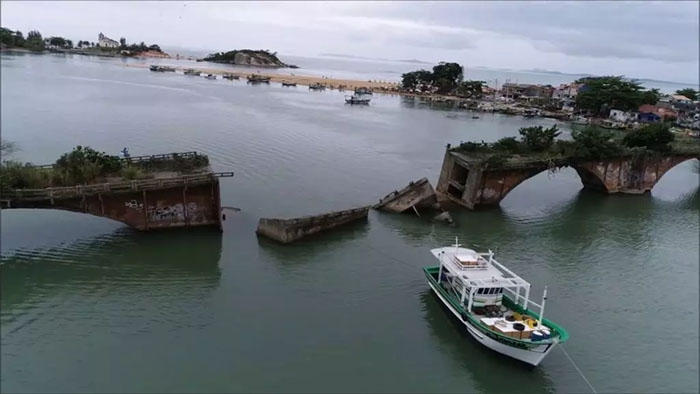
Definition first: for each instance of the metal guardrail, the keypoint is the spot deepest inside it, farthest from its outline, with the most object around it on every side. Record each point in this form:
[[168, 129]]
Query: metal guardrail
[[139, 159], [112, 187]]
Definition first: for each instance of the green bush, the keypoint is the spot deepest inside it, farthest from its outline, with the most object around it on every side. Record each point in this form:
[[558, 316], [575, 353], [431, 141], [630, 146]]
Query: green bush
[[538, 138], [470, 146], [508, 144], [132, 173], [655, 137], [594, 143], [497, 160], [15, 175], [86, 165]]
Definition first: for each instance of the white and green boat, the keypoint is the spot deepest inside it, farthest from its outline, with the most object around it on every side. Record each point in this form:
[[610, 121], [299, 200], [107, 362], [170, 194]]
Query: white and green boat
[[493, 304]]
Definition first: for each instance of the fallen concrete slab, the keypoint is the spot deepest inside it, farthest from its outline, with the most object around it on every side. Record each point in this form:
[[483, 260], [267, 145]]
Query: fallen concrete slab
[[419, 194], [290, 230]]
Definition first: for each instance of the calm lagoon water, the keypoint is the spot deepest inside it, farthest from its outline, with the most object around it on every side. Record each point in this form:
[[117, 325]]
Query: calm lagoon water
[[90, 305]]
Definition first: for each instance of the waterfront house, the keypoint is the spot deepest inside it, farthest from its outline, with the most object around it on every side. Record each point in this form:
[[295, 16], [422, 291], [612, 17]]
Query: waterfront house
[[566, 91], [680, 99], [667, 113], [106, 42], [649, 114], [622, 116], [524, 90]]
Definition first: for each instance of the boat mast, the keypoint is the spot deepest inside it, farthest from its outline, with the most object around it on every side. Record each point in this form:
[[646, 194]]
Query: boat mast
[[544, 299]]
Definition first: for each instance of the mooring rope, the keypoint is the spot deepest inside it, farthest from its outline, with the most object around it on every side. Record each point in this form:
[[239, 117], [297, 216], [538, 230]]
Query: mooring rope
[[578, 369]]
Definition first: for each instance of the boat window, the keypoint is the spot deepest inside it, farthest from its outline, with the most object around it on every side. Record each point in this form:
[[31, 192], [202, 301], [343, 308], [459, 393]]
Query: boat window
[[480, 291]]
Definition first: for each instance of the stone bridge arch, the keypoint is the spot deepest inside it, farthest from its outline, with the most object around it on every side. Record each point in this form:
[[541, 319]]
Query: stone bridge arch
[[471, 184]]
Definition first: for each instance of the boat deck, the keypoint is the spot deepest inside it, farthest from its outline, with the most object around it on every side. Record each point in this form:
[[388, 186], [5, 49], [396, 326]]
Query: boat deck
[[501, 320]]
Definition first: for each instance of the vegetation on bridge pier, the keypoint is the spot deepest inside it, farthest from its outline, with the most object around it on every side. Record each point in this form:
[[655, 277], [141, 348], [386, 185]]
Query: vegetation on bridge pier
[[85, 165], [539, 143]]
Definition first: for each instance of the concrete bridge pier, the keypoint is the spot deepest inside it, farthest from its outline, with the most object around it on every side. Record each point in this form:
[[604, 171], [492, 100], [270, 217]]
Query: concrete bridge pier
[[184, 201], [469, 182]]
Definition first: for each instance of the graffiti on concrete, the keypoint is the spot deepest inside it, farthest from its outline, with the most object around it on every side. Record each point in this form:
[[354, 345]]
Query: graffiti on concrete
[[171, 212], [159, 213], [134, 204]]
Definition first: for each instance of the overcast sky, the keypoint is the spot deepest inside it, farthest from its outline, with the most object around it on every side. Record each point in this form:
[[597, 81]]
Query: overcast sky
[[642, 39]]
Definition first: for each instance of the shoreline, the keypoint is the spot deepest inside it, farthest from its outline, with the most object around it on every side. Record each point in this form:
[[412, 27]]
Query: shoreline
[[389, 88], [306, 80]]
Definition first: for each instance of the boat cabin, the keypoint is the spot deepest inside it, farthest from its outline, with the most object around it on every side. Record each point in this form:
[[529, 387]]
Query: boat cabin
[[479, 280]]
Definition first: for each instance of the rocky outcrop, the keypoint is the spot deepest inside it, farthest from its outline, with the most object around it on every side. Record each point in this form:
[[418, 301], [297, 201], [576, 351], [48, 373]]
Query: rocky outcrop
[[247, 57]]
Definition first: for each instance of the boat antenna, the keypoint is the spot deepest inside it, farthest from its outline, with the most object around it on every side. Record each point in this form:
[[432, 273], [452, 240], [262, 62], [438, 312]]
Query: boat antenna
[[544, 299]]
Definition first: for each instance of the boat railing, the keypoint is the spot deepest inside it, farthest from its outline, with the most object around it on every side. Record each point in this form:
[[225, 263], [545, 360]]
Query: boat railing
[[517, 297]]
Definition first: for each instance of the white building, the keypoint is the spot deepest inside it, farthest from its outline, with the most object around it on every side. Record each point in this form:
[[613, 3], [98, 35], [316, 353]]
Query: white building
[[622, 116], [106, 42], [565, 92]]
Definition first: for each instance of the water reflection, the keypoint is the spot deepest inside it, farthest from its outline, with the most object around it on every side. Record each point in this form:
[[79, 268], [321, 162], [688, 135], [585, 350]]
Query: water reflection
[[180, 263], [468, 355], [307, 249]]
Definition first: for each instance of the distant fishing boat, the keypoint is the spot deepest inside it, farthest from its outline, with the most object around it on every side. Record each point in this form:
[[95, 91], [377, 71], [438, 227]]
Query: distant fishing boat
[[610, 124], [357, 99], [210, 76], [230, 77], [493, 303], [317, 86], [155, 67], [530, 113], [254, 78], [191, 71], [362, 90], [580, 120], [290, 84]]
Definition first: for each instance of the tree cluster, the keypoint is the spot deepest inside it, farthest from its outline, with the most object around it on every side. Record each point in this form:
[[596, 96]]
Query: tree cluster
[[141, 47], [15, 39], [61, 42], [445, 78], [599, 95]]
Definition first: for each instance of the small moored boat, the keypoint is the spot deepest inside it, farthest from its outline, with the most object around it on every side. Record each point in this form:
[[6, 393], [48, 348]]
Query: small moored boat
[[155, 67], [611, 124], [317, 86], [191, 71], [254, 78], [580, 120], [357, 99], [289, 84], [531, 113], [230, 77], [493, 303], [210, 76], [362, 90]]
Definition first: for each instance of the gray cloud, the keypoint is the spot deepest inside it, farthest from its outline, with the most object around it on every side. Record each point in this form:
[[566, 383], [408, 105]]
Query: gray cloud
[[665, 31], [643, 39]]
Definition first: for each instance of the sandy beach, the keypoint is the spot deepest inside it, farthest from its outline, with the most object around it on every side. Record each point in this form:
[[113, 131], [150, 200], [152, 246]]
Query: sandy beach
[[332, 83]]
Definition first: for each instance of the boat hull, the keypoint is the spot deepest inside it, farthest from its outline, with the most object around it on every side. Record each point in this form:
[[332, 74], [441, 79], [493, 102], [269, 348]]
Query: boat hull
[[532, 356]]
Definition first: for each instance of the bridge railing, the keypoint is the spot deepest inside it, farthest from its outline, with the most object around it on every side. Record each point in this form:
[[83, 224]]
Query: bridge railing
[[111, 187]]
